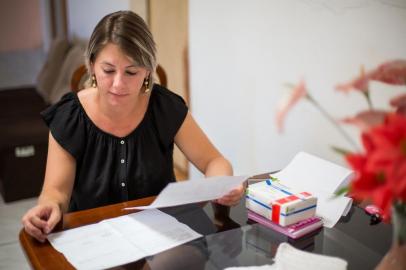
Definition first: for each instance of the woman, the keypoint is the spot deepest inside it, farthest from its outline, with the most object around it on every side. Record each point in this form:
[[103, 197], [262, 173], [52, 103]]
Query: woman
[[113, 141]]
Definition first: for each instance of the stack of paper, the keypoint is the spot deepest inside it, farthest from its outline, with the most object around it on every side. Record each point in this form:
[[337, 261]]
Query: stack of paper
[[121, 240]]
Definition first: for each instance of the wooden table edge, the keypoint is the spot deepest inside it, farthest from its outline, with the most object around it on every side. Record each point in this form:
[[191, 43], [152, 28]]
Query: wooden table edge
[[73, 220]]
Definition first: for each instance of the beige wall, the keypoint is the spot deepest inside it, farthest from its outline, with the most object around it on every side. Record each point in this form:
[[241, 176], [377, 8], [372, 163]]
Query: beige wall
[[20, 25], [168, 22], [169, 25], [140, 7]]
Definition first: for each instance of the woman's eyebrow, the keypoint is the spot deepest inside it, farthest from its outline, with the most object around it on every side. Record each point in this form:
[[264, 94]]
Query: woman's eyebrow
[[131, 66], [109, 64]]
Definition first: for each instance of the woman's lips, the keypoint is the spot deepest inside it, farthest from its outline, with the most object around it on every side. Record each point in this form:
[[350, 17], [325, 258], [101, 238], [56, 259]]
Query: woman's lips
[[119, 94]]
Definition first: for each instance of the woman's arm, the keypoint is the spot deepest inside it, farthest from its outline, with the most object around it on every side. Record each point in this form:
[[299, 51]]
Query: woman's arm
[[198, 149], [55, 194], [59, 175]]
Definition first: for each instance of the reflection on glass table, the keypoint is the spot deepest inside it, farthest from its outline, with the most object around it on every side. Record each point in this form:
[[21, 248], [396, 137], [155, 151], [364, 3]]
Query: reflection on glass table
[[236, 241]]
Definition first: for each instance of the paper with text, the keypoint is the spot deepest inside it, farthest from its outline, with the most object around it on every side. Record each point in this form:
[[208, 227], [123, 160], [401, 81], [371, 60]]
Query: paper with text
[[121, 240], [322, 178], [194, 191]]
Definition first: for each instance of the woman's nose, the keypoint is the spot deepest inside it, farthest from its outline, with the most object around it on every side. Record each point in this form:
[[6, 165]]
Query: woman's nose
[[118, 81]]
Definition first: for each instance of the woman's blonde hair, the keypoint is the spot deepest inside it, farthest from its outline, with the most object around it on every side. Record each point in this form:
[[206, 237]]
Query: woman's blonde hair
[[128, 31]]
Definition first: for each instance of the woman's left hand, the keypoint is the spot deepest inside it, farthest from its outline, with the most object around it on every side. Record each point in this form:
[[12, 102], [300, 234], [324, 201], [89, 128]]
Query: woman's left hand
[[233, 197]]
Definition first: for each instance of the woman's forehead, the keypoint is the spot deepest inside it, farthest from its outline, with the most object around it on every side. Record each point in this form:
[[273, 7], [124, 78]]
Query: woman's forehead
[[112, 54]]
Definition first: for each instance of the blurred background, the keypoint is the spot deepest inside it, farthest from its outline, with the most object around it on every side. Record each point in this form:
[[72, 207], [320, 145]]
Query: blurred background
[[242, 53]]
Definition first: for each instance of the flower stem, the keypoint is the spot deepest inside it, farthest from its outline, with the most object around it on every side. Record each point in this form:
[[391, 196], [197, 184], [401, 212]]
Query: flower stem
[[368, 98], [332, 121], [399, 222]]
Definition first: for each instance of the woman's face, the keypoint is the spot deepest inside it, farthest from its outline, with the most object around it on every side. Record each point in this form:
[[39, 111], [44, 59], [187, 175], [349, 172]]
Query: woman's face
[[118, 79]]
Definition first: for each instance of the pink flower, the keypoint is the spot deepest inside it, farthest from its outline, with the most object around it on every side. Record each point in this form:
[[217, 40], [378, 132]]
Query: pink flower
[[366, 119], [391, 72], [359, 83], [399, 102], [299, 91]]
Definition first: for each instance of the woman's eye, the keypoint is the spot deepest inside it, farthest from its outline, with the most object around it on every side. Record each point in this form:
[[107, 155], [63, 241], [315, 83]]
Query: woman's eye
[[108, 71], [131, 73]]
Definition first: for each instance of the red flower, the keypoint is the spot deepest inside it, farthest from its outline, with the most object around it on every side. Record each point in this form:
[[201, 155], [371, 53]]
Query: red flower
[[380, 172]]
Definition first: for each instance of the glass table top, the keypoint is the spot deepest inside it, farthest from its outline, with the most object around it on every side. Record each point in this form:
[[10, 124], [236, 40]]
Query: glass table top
[[237, 241]]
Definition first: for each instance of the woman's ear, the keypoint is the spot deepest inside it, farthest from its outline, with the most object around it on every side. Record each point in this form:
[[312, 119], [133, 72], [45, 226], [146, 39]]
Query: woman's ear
[[91, 68]]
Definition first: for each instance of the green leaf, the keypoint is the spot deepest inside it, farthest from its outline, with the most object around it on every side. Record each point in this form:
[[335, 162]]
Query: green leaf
[[368, 98], [273, 178], [342, 191], [341, 151]]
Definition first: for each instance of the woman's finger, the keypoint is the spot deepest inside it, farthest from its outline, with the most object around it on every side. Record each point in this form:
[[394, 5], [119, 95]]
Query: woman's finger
[[234, 194], [34, 232], [38, 222], [53, 220], [233, 197], [229, 201]]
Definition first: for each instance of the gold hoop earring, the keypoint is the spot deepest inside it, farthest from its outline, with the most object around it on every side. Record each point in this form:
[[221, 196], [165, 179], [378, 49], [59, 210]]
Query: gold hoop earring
[[94, 82], [146, 85]]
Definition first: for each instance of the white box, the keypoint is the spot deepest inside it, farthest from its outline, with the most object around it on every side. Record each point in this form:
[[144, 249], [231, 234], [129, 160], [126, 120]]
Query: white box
[[279, 203]]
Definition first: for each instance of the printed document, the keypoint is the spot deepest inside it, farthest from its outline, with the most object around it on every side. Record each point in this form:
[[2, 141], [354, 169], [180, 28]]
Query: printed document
[[321, 178], [194, 191], [121, 240]]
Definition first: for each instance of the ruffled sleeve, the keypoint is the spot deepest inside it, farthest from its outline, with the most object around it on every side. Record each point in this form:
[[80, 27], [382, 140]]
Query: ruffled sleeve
[[169, 111], [66, 123]]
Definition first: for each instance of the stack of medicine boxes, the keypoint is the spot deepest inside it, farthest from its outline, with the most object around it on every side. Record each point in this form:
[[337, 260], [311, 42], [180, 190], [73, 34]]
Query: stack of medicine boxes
[[280, 204]]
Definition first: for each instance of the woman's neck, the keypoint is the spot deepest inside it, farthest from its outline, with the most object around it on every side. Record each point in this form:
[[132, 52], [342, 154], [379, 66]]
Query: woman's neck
[[116, 120], [132, 109]]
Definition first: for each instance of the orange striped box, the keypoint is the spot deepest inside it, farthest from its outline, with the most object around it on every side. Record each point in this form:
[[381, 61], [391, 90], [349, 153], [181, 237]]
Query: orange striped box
[[278, 203]]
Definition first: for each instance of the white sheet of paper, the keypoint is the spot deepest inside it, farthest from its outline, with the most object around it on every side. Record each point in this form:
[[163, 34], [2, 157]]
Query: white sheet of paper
[[332, 208], [262, 267], [145, 230], [321, 178], [121, 240], [194, 191], [290, 258]]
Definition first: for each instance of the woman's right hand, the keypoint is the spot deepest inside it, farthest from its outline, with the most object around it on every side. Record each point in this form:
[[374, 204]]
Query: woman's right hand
[[40, 220]]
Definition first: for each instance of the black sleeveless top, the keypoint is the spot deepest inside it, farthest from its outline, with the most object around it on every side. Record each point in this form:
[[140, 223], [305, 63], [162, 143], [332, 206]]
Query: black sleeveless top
[[111, 169]]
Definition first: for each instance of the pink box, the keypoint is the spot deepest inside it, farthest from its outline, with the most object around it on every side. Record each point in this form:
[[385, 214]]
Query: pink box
[[294, 230]]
